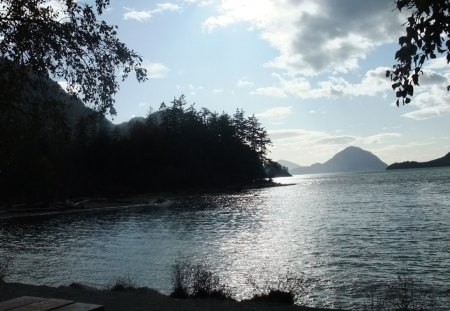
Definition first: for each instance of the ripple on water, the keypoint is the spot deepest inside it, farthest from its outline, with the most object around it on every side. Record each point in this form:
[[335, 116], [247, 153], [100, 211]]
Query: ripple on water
[[345, 231]]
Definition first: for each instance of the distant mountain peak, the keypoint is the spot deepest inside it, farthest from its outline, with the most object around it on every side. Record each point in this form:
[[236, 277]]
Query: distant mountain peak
[[350, 159]]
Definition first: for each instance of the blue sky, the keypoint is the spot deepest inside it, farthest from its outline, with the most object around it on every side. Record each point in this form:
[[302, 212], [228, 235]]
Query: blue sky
[[312, 71]]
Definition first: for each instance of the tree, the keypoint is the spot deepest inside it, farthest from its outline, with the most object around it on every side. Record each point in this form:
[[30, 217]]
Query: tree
[[64, 39], [425, 29]]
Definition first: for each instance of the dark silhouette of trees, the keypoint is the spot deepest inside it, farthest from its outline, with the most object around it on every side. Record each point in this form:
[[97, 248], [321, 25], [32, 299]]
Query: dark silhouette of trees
[[175, 148], [68, 43], [427, 34]]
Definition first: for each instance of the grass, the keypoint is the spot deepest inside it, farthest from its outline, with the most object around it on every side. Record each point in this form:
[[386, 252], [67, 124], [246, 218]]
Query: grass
[[402, 294], [196, 281], [287, 289], [3, 271], [122, 284]]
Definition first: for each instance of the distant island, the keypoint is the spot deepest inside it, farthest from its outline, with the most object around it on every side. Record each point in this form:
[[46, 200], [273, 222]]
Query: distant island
[[444, 161], [351, 159]]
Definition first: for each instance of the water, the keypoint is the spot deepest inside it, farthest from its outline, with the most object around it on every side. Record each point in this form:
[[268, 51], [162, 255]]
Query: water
[[346, 231]]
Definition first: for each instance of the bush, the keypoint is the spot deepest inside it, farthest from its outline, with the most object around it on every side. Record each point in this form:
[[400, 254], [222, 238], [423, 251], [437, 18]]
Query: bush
[[3, 270], [121, 284], [286, 290], [403, 294], [196, 281]]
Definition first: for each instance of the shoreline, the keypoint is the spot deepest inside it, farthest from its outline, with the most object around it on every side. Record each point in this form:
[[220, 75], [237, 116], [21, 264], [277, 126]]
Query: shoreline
[[138, 300], [163, 198]]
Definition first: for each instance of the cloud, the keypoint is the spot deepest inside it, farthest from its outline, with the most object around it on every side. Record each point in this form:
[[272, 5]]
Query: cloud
[[171, 7], [314, 36], [217, 91], [140, 16], [190, 89], [156, 70], [270, 91], [427, 113], [276, 114], [340, 140], [431, 98], [60, 9], [373, 83], [145, 15], [244, 83], [200, 3]]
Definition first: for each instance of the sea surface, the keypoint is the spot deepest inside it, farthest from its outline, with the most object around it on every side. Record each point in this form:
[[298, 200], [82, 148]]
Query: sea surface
[[343, 232]]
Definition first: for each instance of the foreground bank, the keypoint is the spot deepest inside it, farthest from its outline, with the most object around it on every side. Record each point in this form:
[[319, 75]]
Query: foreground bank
[[137, 300]]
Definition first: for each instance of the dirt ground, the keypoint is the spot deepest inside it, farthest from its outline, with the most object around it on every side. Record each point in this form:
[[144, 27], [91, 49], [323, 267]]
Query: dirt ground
[[137, 300]]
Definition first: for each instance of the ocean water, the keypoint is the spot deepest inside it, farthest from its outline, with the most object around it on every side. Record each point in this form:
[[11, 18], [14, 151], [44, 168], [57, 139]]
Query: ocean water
[[344, 232]]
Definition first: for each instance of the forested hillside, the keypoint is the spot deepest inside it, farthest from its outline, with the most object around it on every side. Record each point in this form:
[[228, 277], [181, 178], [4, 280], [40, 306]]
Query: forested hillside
[[55, 149]]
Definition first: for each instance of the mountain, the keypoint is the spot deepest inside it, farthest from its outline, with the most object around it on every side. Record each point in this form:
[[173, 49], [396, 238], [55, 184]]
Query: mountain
[[444, 161], [288, 164], [351, 159]]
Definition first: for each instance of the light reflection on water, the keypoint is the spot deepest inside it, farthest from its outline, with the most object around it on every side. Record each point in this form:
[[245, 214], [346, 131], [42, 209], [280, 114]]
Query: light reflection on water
[[345, 230]]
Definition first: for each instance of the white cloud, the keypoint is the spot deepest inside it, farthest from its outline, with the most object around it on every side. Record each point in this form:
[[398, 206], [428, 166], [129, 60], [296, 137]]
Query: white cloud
[[373, 83], [145, 15], [276, 114], [270, 91], [59, 8], [217, 91], [190, 89], [200, 3], [314, 36], [156, 70], [140, 16], [244, 82], [431, 98], [171, 7], [70, 88]]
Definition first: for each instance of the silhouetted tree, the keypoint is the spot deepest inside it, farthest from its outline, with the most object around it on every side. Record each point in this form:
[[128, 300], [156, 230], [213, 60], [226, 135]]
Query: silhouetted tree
[[66, 42], [427, 34]]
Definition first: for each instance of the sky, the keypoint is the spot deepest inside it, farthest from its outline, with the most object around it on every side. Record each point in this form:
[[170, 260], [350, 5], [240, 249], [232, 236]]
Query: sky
[[312, 71]]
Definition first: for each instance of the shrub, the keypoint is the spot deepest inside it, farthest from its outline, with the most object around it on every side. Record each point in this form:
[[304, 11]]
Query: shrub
[[124, 283], [3, 270], [196, 281], [286, 290], [403, 294]]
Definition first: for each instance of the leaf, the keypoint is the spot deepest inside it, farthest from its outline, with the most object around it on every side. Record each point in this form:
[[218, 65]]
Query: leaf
[[407, 100], [396, 85], [410, 90], [388, 73]]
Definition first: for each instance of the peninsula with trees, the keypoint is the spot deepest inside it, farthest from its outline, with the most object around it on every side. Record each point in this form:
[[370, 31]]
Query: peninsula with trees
[[440, 162]]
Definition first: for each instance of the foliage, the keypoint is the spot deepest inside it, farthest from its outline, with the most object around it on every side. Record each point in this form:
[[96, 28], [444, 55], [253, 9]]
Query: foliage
[[3, 271], [124, 283], [403, 294], [64, 40], [424, 39], [196, 281], [287, 289], [175, 148]]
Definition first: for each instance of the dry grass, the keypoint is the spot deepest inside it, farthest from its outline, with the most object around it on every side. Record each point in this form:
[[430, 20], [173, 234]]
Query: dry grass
[[402, 294], [196, 281]]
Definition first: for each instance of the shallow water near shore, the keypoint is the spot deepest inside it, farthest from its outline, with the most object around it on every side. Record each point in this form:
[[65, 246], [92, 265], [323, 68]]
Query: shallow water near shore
[[346, 231]]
